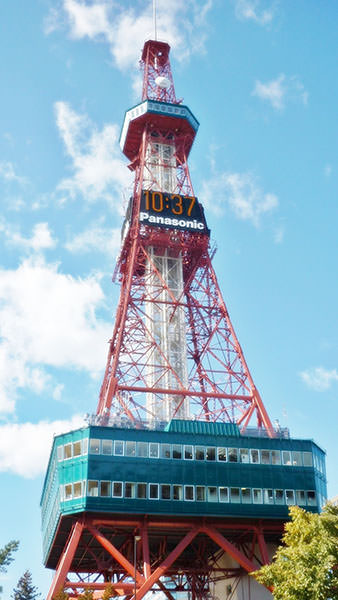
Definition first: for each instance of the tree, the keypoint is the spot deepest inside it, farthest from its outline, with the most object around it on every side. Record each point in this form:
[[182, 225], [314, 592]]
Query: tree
[[25, 589], [305, 567], [6, 555]]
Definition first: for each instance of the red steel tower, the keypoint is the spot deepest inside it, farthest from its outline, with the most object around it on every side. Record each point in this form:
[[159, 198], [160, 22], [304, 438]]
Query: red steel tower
[[174, 353], [165, 490]]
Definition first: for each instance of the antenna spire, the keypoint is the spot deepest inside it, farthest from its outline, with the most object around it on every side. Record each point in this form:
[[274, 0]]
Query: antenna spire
[[155, 20]]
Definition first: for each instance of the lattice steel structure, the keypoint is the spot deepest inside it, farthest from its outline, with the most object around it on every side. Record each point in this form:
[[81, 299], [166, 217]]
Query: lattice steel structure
[[165, 490]]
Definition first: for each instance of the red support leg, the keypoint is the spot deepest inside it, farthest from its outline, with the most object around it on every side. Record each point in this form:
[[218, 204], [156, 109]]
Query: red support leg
[[65, 561]]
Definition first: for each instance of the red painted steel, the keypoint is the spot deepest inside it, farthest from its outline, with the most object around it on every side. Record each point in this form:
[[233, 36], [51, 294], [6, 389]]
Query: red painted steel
[[175, 553]]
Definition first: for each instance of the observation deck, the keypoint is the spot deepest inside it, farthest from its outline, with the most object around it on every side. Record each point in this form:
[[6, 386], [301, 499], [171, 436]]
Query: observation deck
[[184, 469]]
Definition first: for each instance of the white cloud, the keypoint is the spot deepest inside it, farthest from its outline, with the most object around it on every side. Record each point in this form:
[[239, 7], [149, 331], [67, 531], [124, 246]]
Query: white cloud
[[25, 447], [41, 238], [47, 319], [279, 90], [241, 192], [98, 169], [319, 378], [96, 238], [7, 172], [125, 27], [261, 13]]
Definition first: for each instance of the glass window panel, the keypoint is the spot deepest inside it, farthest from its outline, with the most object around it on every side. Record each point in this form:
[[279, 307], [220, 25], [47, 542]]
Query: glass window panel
[[105, 488], [223, 494], [67, 451], [300, 498], [93, 488], [153, 450], [77, 448], [254, 456], [165, 491], [311, 498], [107, 447], [211, 453], [297, 459], [212, 494], [265, 457], [117, 489], [188, 452], [178, 492], [60, 452], [286, 457], [188, 492], [244, 455], [246, 495], [275, 457], [289, 497], [222, 454], [268, 496], [142, 449], [257, 496], [68, 491], [129, 490], [307, 459], [177, 451], [118, 448], [130, 448], [153, 491], [141, 490], [235, 495], [165, 451], [200, 493], [233, 454], [199, 452], [94, 446], [77, 489], [279, 496]]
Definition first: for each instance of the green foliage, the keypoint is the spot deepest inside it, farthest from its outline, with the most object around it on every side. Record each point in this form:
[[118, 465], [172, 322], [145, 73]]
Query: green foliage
[[6, 554], [25, 589], [108, 592], [305, 567]]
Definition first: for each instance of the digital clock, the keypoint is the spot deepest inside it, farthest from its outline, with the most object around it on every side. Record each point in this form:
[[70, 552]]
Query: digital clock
[[172, 210]]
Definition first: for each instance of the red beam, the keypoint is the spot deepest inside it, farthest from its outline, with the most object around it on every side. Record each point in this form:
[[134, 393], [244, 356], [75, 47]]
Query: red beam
[[65, 561]]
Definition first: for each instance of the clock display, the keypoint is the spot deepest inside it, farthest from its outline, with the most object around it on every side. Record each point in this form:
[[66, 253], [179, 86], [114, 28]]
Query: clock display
[[172, 210]]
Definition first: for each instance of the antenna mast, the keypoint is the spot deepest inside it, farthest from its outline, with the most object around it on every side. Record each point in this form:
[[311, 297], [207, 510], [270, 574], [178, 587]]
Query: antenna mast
[[155, 19]]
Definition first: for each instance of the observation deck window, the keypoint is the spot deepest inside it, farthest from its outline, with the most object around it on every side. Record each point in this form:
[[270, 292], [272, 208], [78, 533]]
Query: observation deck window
[[257, 496], [117, 489], [311, 499], [222, 454], [142, 449], [265, 457], [107, 447], [188, 452], [177, 451], [223, 494], [275, 457], [212, 494], [77, 449], [165, 491], [200, 493], [77, 489], [286, 454], [233, 454], [300, 498], [105, 489], [92, 488], [279, 496], [211, 453], [118, 448], [165, 451], [290, 497], [153, 450], [235, 496], [307, 459], [297, 459], [153, 491], [268, 496], [130, 448], [244, 455], [141, 490], [177, 492], [189, 492], [254, 457], [67, 452], [94, 446], [129, 490], [246, 495], [199, 452]]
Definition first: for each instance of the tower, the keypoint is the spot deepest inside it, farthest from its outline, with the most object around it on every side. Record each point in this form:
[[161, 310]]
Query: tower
[[174, 353], [168, 488]]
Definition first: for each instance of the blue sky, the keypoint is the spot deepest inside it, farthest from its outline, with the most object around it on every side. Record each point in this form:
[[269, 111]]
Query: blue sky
[[260, 76]]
